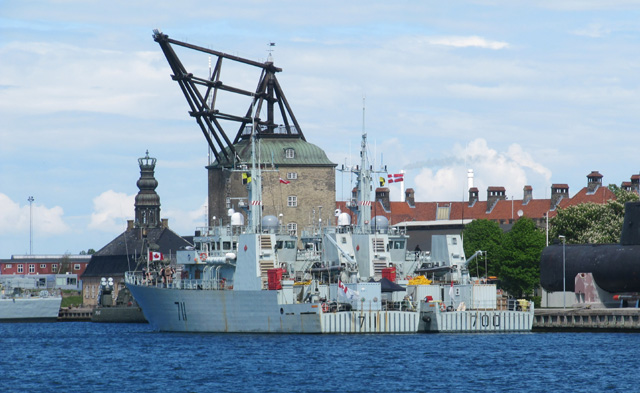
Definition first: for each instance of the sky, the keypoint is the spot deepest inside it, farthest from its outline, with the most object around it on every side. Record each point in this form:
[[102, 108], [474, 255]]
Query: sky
[[523, 93]]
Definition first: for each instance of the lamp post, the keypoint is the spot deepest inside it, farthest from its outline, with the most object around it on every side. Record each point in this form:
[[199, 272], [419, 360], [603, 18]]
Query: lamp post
[[564, 281], [30, 199]]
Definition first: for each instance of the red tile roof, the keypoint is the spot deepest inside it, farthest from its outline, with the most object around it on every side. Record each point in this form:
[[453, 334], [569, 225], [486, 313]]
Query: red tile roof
[[504, 210]]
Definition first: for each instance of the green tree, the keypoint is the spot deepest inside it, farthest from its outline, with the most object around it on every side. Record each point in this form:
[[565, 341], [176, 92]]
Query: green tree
[[519, 268], [622, 195], [484, 235], [590, 222]]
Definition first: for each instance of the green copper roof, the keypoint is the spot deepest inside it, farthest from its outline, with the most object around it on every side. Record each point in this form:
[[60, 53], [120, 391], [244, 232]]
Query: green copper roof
[[273, 150]]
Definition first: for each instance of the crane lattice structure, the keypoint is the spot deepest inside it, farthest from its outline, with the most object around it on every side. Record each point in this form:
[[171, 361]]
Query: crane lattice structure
[[201, 94]]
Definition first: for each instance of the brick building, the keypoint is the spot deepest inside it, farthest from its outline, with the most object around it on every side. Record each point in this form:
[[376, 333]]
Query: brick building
[[424, 219], [298, 182], [48, 271]]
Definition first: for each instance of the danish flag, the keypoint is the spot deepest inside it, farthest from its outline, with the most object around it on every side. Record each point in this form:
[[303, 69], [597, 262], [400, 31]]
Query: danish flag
[[396, 177]]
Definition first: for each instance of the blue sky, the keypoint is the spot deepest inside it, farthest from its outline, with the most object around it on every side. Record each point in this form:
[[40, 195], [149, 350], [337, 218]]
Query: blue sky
[[532, 93]]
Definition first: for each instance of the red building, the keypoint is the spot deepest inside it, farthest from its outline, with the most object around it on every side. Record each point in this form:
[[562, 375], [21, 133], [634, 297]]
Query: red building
[[45, 264], [423, 219]]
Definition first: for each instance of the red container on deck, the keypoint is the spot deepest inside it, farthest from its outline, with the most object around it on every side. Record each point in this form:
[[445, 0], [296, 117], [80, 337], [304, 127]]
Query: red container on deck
[[389, 273], [275, 278]]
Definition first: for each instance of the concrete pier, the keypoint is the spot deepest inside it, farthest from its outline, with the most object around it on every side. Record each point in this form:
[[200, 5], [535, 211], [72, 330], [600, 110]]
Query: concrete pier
[[620, 319]]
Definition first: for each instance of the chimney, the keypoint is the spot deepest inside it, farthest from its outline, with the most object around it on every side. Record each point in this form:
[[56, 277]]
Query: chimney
[[594, 181], [382, 196], [558, 192], [495, 194], [528, 194], [165, 223], [473, 196], [129, 225], [408, 196]]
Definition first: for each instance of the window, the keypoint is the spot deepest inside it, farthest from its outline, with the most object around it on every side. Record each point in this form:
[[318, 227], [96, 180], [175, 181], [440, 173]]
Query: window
[[54, 267], [292, 175], [43, 266], [20, 268], [292, 227], [32, 268], [8, 266], [289, 153], [76, 266], [290, 244], [292, 201]]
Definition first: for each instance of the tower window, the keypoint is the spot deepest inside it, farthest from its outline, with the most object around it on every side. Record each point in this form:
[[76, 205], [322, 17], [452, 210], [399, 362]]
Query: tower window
[[292, 201]]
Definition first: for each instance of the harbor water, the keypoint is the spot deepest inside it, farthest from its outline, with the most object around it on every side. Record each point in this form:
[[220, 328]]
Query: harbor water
[[83, 357]]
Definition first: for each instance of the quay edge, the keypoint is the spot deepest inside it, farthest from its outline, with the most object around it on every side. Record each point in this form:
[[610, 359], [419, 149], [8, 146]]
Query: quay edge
[[587, 319]]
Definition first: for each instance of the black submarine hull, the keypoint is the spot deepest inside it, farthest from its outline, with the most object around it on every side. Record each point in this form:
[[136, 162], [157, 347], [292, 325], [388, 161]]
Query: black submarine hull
[[615, 267]]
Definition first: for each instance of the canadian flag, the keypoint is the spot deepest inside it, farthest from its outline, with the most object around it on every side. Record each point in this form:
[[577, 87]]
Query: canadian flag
[[284, 181], [346, 292], [396, 177], [156, 256]]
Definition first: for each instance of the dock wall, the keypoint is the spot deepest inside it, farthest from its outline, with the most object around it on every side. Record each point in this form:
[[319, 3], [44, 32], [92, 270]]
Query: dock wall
[[587, 319]]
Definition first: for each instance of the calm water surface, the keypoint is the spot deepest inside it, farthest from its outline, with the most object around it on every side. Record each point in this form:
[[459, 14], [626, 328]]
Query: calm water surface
[[90, 357]]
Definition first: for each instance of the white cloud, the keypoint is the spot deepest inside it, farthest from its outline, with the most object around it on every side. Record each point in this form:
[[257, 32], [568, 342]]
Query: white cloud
[[512, 169], [466, 42], [594, 30], [111, 210], [185, 222], [45, 221]]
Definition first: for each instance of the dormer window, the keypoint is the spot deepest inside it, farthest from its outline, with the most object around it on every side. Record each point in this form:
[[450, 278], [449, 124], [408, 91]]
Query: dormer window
[[289, 153]]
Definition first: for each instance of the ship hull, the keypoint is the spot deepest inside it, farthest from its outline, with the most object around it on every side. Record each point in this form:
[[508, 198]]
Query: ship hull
[[118, 314], [476, 321], [178, 310], [30, 309]]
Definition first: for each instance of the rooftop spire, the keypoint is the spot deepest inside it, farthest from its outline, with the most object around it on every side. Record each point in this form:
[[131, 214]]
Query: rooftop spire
[[147, 204]]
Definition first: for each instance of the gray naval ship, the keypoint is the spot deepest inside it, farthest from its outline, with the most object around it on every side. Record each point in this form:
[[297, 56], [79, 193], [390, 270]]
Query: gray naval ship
[[252, 278], [22, 299]]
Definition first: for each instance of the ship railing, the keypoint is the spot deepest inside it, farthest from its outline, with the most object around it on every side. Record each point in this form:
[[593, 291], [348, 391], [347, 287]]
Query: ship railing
[[214, 231], [137, 278], [208, 285], [309, 255]]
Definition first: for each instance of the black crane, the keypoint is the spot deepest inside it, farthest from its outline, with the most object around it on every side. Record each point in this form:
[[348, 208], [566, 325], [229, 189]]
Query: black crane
[[201, 94]]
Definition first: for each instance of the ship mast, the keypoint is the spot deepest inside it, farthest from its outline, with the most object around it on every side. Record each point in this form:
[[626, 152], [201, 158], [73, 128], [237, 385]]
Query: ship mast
[[255, 186], [364, 187]]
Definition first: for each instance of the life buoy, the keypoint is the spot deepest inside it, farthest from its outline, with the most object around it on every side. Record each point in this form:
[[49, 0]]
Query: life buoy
[[325, 307], [443, 307], [203, 255]]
